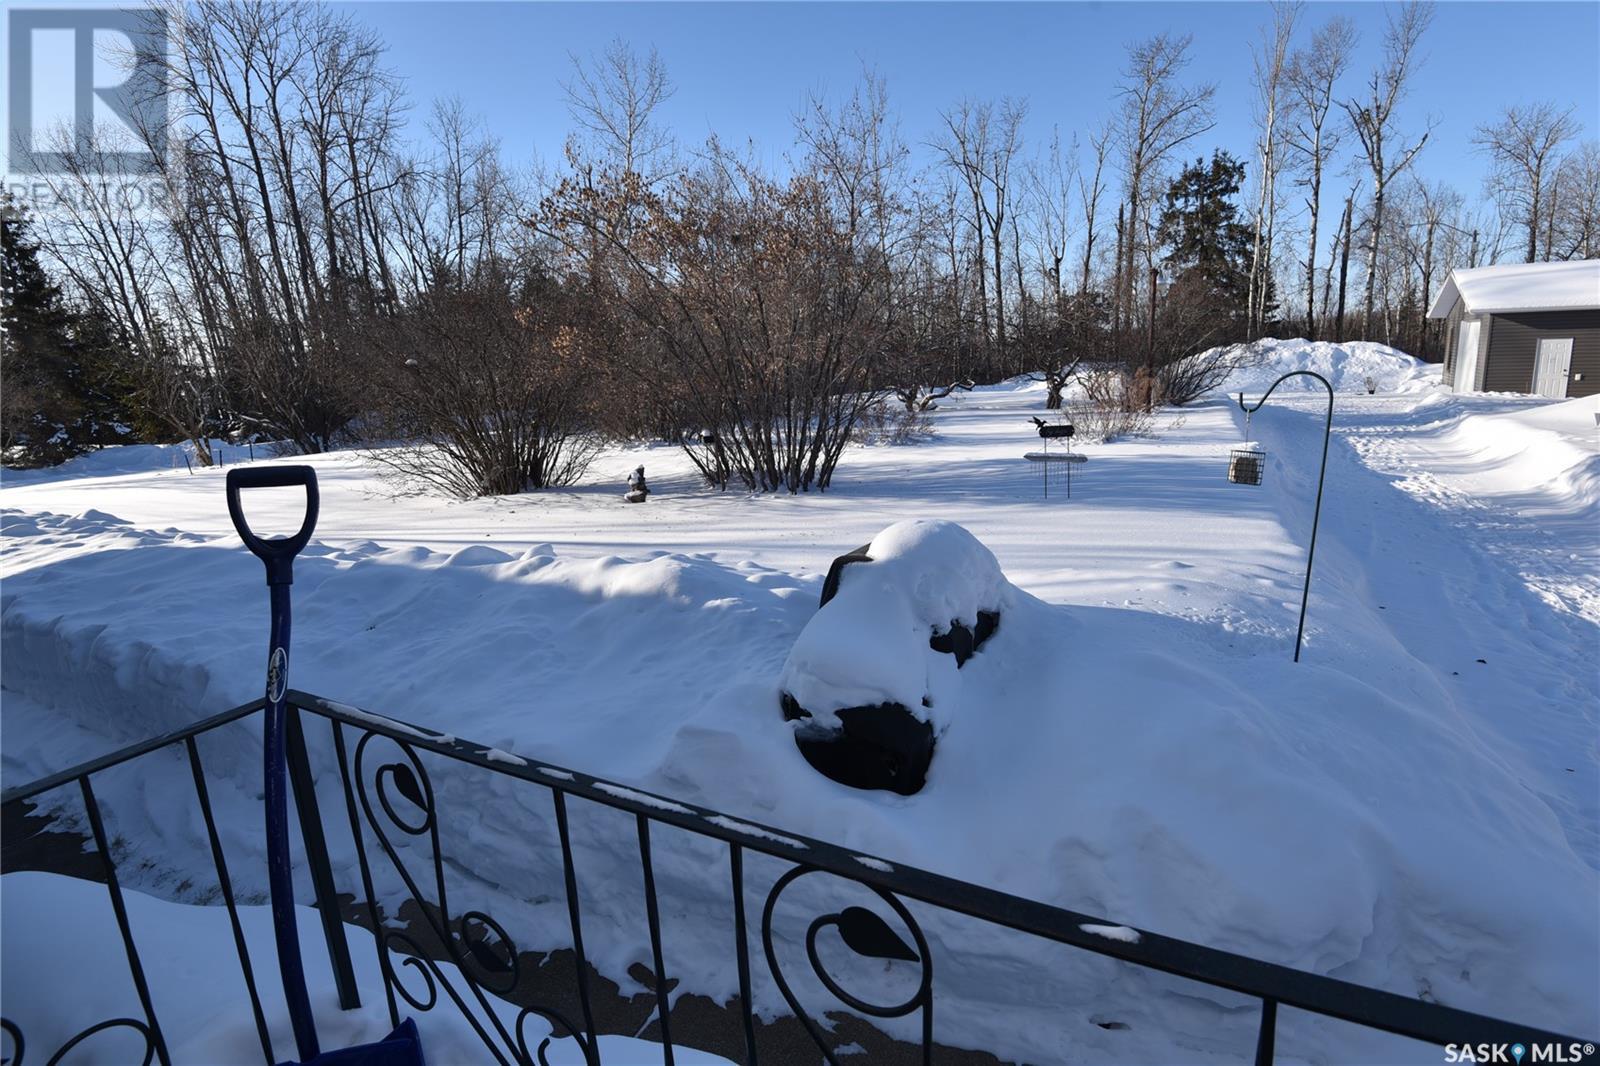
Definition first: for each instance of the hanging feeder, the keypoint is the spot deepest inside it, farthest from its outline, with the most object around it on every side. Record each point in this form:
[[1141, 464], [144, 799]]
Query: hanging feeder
[[1246, 465]]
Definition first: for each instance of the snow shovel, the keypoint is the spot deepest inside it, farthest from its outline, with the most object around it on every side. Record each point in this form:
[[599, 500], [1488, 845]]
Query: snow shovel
[[401, 1047]]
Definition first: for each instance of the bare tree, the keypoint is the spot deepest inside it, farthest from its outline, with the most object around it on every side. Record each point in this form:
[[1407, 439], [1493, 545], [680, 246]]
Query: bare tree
[[1578, 225], [1270, 58], [613, 98], [1157, 116], [1346, 235], [1313, 77], [858, 150], [1089, 191], [1374, 122], [1524, 148], [963, 144], [1050, 181]]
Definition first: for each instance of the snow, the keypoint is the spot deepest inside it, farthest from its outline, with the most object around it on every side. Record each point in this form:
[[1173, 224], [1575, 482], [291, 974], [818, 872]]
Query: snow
[[53, 924], [722, 821], [869, 644], [1112, 932], [1347, 366], [133, 459], [635, 796], [1415, 805], [1510, 287]]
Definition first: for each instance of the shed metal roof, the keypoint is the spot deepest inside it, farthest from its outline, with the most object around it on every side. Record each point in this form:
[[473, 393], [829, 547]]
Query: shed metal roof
[[1510, 287]]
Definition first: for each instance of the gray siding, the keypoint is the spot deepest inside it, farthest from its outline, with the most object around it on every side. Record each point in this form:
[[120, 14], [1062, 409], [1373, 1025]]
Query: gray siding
[[1513, 341]]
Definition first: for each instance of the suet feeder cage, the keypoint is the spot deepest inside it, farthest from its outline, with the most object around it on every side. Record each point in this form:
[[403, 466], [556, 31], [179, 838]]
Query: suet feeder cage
[[1246, 465]]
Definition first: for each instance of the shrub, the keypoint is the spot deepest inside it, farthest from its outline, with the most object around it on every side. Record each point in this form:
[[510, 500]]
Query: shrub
[[489, 398], [1106, 410], [886, 423]]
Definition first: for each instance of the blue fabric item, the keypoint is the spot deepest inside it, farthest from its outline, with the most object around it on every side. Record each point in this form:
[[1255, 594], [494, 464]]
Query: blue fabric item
[[400, 1048]]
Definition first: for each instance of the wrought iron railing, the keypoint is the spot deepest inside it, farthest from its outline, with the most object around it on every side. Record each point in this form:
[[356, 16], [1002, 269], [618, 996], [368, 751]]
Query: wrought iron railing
[[480, 951]]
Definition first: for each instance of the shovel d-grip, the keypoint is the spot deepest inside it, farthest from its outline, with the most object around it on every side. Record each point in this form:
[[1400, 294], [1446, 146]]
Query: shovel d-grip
[[276, 552]]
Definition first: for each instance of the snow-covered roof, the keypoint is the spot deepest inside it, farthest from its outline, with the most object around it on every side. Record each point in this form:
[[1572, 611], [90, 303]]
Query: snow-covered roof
[[1511, 287]]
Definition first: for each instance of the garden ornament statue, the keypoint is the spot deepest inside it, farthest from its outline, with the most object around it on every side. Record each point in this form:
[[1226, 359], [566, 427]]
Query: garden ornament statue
[[638, 491], [930, 594]]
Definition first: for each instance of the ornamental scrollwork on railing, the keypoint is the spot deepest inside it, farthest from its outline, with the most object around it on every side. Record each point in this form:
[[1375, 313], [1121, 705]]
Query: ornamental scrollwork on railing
[[868, 935], [480, 947], [14, 1055]]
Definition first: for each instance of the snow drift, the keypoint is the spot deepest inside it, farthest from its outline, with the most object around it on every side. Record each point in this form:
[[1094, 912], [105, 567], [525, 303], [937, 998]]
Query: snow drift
[[1347, 365]]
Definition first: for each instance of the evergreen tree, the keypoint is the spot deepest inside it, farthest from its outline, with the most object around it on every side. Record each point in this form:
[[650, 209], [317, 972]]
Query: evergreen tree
[[1200, 225], [58, 389]]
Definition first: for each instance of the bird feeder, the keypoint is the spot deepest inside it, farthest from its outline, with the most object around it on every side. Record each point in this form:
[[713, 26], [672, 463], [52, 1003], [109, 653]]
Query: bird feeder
[[1048, 461], [1246, 465]]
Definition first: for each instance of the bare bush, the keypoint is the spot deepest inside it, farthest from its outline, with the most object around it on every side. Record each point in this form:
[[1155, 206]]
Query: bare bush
[[1106, 410], [490, 397], [885, 423], [763, 314], [1185, 380]]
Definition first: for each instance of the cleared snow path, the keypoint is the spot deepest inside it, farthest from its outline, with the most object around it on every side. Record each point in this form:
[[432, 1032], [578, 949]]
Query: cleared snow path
[[1479, 571]]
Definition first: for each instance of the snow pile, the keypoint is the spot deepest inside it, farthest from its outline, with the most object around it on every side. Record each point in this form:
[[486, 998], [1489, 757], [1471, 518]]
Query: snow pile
[[869, 644], [1525, 474], [54, 926], [1347, 366]]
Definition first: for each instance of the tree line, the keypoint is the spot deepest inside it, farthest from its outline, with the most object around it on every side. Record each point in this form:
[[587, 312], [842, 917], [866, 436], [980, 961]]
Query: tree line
[[319, 274]]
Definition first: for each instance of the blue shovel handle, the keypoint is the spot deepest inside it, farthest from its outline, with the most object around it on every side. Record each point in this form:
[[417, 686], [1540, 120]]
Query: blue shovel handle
[[277, 554]]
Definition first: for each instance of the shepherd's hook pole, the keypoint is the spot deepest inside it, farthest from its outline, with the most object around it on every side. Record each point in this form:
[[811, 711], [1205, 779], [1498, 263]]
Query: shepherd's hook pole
[[1316, 512]]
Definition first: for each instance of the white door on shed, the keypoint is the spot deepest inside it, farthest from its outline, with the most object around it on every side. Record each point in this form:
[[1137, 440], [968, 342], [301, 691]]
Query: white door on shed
[[1552, 366], [1467, 356]]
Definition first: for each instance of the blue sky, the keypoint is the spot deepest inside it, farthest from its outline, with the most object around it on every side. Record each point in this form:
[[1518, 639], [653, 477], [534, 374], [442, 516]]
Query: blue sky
[[742, 70]]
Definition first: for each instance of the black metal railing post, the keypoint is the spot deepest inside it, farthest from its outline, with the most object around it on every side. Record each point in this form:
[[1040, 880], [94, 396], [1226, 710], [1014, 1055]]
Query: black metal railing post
[[316, 845], [1322, 473], [1269, 1033], [153, 1034], [225, 885]]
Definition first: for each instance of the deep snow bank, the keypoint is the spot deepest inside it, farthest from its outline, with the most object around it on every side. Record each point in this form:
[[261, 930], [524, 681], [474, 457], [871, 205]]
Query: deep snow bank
[[1347, 365], [1180, 777]]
